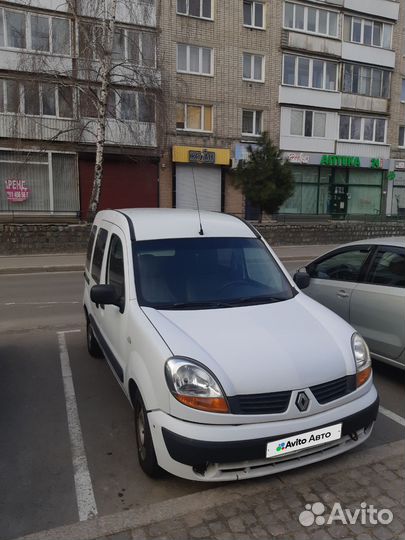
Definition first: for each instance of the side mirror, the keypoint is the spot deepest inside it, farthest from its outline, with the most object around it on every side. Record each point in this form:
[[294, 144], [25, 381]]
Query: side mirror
[[302, 280], [105, 295]]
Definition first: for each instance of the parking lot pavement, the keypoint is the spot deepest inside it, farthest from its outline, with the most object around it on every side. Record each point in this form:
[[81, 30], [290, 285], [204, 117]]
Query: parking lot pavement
[[38, 475]]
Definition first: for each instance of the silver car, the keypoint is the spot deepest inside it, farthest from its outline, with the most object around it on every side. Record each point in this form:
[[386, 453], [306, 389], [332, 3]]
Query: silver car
[[364, 283]]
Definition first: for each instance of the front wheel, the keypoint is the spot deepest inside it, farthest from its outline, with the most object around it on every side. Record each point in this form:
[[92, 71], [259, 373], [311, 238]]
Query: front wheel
[[92, 345], [146, 452]]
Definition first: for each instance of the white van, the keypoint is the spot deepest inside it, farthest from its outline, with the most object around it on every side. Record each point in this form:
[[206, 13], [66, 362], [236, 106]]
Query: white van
[[232, 372]]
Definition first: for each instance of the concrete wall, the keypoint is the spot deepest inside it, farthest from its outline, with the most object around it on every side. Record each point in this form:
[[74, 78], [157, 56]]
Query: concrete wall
[[48, 238]]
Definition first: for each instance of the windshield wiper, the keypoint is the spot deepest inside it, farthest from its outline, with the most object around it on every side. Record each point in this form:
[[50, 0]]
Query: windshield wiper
[[255, 300], [193, 305]]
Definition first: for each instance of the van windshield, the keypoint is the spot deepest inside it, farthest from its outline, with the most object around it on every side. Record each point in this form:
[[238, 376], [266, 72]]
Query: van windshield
[[207, 273]]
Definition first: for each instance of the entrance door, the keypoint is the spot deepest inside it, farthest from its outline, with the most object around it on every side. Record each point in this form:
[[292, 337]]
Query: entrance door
[[207, 184], [339, 193]]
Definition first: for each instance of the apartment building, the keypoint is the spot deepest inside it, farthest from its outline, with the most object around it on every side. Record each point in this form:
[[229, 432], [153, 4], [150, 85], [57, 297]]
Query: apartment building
[[222, 85], [50, 82], [319, 76], [336, 98]]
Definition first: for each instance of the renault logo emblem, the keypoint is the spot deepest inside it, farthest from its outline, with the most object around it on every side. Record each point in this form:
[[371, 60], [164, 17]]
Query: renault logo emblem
[[302, 402]]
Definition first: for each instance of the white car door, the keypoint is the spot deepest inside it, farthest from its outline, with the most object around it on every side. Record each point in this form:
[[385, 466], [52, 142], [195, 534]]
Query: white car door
[[114, 319], [377, 308], [334, 277]]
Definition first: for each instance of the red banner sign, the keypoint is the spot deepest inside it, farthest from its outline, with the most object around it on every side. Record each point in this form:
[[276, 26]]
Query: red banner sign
[[16, 191]]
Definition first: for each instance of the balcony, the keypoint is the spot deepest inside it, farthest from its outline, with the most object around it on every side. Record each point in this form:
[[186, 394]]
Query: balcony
[[308, 97], [363, 54], [352, 148], [365, 103], [312, 43], [378, 8]]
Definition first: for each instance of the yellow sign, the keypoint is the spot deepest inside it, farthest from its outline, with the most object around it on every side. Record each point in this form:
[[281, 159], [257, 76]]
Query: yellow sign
[[192, 154]]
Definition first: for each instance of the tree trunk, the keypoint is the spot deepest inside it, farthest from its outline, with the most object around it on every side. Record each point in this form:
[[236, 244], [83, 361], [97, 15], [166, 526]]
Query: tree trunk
[[105, 75]]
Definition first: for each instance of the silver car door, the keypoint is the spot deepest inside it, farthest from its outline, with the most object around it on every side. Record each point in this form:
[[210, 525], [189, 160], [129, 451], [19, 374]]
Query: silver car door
[[377, 308], [335, 275]]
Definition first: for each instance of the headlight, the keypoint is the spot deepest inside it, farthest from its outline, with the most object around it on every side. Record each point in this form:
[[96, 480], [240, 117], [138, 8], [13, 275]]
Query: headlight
[[362, 358], [193, 386]]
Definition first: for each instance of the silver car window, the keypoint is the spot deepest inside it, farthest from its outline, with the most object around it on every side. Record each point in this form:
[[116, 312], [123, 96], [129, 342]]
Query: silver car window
[[342, 266], [388, 268]]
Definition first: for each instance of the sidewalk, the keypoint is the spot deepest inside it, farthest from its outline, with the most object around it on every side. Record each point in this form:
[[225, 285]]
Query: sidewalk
[[69, 262], [271, 507]]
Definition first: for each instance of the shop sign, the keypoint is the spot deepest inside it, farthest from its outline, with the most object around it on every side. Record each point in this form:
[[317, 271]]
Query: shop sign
[[302, 159], [201, 157], [340, 161], [16, 191], [209, 156], [400, 165]]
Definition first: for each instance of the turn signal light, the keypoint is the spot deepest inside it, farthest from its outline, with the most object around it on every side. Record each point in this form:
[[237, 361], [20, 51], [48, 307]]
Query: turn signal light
[[363, 376], [215, 405]]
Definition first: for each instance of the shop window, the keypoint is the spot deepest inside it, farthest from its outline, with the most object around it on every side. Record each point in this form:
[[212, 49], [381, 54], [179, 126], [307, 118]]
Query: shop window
[[251, 122], [194, 117], [253, 67], [309, 73], [195, 8], [307, 123], [253, 14], [311, 19], [194, 60]]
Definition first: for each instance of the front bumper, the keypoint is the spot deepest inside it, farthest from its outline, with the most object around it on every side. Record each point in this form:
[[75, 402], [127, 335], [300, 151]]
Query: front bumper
[[215, 453]]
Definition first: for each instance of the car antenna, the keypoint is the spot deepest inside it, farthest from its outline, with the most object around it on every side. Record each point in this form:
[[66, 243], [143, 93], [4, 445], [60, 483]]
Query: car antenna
[[201, 233]]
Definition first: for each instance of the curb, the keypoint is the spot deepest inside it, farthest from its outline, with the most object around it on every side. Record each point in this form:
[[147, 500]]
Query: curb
[[42, 269], [211, 498]]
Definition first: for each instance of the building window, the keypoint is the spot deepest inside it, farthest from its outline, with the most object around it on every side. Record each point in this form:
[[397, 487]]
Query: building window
[[403, 91], [253, 67], [309, 73], [311, 19], [253, 14], [401, 139], [125, 105], [368, 32], [366, 81], [356, 128], [195, 8], [42, 33], [195, 60], [307, 123], [251, 122], [194, 117]]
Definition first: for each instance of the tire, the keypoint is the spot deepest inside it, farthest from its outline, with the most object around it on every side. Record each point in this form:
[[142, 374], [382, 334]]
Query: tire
[[146, 452], [92, 345]]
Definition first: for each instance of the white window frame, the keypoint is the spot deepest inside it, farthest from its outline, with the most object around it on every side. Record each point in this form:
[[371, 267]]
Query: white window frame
[[253, 16], [203, 108], [201, 11], [252, 68], [117, 107], [305, 111], [361, 42], [311, 72], [255, 123], [372, 70], [305, 29], [200, 61], [28, 32], [362, 140], [126, 58]]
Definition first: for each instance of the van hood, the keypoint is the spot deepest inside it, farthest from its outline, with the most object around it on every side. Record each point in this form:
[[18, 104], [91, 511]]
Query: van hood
[[287, 345]]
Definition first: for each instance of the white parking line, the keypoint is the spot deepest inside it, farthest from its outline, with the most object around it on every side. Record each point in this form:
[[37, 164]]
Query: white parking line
[[393, 416], [86, 503]]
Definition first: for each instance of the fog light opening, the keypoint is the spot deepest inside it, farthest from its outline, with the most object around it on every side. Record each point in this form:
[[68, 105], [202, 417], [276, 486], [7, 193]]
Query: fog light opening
[[354, 436]]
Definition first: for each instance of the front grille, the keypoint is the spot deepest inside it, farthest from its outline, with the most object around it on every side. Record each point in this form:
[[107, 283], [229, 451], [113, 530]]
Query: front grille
[[274, 403], [327, 392]]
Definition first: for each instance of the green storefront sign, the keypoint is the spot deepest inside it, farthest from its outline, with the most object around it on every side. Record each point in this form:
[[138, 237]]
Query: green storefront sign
[[340, 161]]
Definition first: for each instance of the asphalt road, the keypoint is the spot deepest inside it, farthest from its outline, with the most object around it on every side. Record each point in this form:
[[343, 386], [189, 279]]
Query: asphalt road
[[37, 488]]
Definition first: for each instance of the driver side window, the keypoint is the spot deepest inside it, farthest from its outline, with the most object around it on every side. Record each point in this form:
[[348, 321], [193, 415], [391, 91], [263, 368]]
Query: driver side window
[[115, 267], [342, 266]]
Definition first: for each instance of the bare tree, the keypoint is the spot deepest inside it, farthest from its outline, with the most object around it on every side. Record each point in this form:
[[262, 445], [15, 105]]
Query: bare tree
[[113, 68]]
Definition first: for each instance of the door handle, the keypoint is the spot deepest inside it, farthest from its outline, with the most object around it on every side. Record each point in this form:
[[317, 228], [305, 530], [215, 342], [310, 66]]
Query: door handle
[[342, 294]]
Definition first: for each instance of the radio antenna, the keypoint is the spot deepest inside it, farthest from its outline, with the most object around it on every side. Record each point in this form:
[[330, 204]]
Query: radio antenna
[[201, 233]]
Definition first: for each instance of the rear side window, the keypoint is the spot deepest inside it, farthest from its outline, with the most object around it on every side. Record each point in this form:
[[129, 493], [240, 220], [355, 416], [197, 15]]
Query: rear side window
[[90, 246], [98, 255], [342, 266], [388, 268]]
